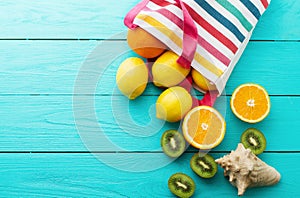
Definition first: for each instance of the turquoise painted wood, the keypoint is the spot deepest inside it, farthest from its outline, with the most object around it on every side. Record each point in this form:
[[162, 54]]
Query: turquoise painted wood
[[51, 67], [82, 175], [90, 19], [46, 123], [48, 128]]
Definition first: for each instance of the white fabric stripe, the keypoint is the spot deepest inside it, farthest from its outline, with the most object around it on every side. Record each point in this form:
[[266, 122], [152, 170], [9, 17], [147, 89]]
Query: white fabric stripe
[[244, 10], [259, 6], [269, 1], [208, 37], [165, 21], [229, 16], [213, 22]]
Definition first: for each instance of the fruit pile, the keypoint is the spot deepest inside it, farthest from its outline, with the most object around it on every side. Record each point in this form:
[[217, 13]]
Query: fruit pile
[[203, 127]]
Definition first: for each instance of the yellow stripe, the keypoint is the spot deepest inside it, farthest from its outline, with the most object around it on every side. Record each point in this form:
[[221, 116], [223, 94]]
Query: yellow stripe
[[178, 41], [162, 28], [208, 65]]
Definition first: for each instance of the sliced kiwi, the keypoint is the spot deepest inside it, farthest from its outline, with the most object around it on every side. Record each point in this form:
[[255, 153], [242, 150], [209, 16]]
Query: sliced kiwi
[[181, 185], [204, 165], [255, 140], [172, 143]]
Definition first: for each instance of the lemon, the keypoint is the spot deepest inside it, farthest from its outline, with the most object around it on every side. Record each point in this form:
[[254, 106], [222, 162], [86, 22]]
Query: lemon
[[132, 77], [173, 104], [203, 83], [167, 72]]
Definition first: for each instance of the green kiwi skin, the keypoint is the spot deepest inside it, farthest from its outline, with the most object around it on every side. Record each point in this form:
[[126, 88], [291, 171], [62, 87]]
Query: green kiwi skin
[[261, 138], [184, 191], [207, 160], [179, 143]]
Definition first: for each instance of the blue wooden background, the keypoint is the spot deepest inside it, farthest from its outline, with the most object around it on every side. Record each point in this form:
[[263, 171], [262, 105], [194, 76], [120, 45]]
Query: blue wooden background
[[51, 145]]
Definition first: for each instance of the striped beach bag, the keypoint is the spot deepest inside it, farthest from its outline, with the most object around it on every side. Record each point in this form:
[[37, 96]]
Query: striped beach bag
[[208, 35]]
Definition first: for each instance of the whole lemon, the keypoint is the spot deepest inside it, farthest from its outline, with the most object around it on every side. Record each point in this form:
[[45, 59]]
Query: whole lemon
[[167, 72], [132, 77], [203, 83], [173, 104]]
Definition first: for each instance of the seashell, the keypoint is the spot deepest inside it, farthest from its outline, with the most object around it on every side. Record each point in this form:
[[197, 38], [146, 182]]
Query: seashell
[[246, 170]]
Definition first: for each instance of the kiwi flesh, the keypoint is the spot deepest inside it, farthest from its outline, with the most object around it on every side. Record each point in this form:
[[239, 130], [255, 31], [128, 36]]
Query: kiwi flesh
[[204, 165], [181, 185], [255, 140], [172, 143]]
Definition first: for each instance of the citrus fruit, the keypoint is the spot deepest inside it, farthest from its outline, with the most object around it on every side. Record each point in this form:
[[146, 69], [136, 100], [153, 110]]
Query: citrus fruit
[[203, 83], [173, 104], [144, 44], [132, 77], [204, 127], [250, 103], [167, 72]]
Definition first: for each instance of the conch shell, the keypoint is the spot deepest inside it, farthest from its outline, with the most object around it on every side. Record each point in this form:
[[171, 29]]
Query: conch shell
[[246, 170]]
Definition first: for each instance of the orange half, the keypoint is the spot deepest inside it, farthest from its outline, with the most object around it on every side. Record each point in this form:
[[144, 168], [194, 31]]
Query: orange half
[[204, 127], [250, 103]]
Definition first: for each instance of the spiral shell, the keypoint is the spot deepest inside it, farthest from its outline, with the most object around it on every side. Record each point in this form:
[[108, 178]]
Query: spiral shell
[[246, 170]]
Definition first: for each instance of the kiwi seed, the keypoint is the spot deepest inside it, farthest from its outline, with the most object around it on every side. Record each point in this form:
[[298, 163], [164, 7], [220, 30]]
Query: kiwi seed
[[181, 185], [204, 165], [255, 140], [172, 143]]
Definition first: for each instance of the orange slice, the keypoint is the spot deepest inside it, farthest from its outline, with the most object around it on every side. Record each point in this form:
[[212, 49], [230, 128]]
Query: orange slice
[[204, 127], [250, 103]]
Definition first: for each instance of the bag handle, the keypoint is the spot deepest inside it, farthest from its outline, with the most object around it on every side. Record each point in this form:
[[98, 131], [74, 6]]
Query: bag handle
[[129, 18], [190, 32]]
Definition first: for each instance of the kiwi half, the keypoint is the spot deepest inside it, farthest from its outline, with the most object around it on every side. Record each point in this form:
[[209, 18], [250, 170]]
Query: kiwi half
[[204, 165], [172, 143], [181, 185], [255, 140]]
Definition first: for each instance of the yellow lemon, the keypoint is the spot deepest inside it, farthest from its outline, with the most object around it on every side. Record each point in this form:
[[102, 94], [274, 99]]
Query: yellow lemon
[[167, 72], [203, 83], [132, 77], [173, 104]]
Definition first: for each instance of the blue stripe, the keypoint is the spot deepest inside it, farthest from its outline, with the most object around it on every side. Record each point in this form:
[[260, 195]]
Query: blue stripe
[[219, 17], [252, 8]]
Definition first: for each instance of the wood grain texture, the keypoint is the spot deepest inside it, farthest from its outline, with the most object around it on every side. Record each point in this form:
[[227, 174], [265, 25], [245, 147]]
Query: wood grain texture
[[46, 123], [49, 122], [82, 175], [94, 19], [45, 67]]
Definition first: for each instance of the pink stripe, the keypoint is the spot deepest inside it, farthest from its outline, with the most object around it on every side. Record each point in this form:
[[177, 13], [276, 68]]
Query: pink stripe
[[265, 3], [201, 41]]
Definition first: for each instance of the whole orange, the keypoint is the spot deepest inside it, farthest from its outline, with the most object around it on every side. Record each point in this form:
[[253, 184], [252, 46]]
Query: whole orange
[[144, 44]]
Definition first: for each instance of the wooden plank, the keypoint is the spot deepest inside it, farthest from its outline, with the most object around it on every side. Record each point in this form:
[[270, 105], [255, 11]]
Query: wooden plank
[[92, 19], [43, 67], [82, 175], [47, 123]]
